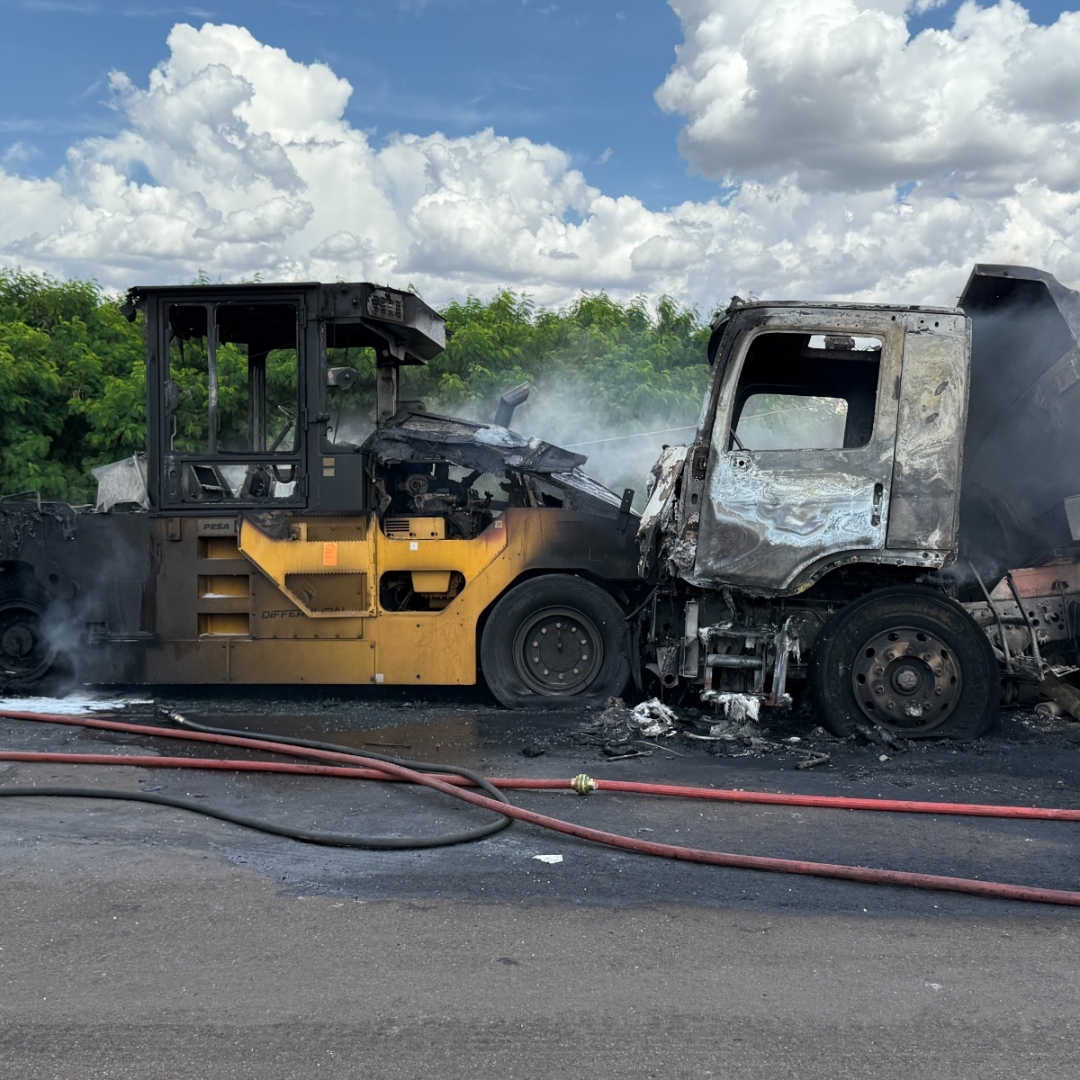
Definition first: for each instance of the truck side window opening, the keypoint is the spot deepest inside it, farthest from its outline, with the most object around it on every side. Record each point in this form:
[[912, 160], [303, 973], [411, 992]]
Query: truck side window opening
[[802, 391], [792, 422]]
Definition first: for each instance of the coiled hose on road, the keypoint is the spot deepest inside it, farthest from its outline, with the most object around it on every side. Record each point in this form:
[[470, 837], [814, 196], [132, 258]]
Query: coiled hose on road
[[344, 762]]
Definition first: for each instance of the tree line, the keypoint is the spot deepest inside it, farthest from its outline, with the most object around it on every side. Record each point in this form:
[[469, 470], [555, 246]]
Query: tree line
[[73, 381]]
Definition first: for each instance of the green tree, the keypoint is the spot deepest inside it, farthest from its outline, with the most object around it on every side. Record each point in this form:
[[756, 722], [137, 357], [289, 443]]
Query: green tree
[[71, 377], [73, 381]]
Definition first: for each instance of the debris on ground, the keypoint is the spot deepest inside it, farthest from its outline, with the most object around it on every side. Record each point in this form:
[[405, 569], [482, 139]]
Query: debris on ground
[[870, 733], [741, 732], [790, 737], [1048, 710], [618, 725], [735, 706], [654, 718]]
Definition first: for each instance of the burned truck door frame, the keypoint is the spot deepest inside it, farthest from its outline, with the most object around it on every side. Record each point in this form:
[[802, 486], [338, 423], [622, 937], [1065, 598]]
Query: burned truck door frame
[[769, 519]]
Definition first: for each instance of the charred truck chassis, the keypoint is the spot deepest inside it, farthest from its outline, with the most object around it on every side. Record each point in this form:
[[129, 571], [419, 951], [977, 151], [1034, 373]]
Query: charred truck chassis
[[254, 544], [835, 548]]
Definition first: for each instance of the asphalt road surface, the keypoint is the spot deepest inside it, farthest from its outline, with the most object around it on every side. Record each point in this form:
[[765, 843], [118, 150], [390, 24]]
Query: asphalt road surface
[[141, 941]]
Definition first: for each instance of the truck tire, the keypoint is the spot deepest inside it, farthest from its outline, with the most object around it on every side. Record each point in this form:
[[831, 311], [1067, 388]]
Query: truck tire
[[555, 641], [908, 660], [26, 652]]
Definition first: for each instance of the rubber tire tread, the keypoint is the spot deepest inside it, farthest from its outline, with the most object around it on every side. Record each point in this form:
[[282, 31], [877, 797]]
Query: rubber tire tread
[[15, 586], [496, 645], [844, 634]]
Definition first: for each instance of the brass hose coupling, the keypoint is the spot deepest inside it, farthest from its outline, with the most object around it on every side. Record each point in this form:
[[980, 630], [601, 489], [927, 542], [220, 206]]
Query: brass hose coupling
[[583, 784]]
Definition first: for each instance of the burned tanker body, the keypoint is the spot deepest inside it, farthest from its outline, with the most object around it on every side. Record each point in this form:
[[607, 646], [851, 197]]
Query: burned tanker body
[[254, 544], [878, 507]]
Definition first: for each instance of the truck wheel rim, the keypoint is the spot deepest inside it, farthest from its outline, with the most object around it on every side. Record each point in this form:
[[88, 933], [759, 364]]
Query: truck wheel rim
[[558, 651], [906, 678], [24, 652]]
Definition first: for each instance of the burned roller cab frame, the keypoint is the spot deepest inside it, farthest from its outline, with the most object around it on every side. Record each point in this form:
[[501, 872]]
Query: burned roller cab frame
[[293, 520], [879, 507]]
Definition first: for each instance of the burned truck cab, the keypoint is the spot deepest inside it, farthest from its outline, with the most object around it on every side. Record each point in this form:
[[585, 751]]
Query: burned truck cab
[[830, 437], [294, 520], [825, 468], [880, 507]]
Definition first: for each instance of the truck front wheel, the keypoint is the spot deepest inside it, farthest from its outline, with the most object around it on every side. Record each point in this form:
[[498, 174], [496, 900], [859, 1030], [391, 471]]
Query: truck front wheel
[[908, 660], [555, 640]]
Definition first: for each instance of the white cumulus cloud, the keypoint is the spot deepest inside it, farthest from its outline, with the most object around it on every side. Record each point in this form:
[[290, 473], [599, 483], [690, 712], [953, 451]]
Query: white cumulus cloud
[[856, 161], [837, 93]]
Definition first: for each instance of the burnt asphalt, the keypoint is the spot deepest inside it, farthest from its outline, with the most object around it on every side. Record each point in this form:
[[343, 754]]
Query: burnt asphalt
[[145, 941]]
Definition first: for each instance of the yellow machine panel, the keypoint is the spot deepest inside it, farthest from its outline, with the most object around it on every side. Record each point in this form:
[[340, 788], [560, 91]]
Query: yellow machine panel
[[325, 585], [325, 567]]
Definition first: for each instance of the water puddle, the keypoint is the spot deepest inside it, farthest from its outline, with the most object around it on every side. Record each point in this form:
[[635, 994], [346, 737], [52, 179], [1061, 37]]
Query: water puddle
[[435, 739]]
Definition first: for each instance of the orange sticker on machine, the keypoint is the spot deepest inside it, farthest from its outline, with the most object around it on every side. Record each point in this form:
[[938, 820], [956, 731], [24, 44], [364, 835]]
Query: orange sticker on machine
[[329, 554]]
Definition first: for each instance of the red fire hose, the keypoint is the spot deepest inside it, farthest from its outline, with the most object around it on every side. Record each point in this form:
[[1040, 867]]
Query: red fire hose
[[363, 766]]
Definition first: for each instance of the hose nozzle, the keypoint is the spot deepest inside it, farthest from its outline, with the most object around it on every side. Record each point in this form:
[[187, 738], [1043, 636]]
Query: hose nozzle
[[170, 716]]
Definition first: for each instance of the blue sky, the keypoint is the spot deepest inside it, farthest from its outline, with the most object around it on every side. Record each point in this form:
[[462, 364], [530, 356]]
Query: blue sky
[[580, 74], [830, 148]]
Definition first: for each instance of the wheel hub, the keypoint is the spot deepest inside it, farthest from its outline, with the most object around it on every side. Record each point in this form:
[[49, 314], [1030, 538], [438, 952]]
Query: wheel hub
[[23, 650], [17, 641], [558, 651], [906, 678]]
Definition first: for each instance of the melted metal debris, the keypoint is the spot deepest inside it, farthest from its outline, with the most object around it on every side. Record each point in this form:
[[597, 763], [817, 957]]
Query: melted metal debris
[[738, 707], [619, 730], [653, 718], [618, 725]]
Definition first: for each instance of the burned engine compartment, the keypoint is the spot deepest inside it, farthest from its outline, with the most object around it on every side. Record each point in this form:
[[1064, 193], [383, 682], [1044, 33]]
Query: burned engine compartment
[[466, 473]]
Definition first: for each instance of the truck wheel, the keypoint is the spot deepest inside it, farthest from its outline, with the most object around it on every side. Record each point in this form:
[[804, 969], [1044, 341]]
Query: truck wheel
[[555, 641], [908, 660], [25, 651]]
